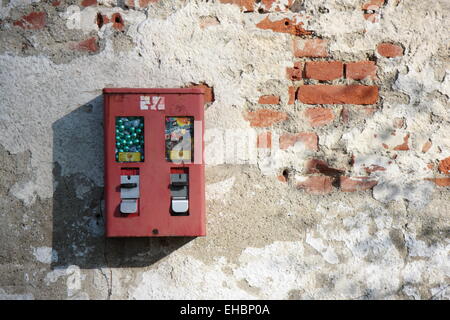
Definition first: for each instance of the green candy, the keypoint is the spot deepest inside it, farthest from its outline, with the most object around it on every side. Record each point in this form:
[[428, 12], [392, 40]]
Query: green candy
[[129, 135]]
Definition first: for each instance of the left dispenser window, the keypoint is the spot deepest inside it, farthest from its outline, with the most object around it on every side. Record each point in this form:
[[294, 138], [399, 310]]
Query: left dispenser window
[[130, 139]]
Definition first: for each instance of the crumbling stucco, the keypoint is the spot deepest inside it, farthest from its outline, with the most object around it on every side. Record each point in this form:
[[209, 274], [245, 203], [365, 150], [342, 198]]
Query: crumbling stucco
[[267, 238]]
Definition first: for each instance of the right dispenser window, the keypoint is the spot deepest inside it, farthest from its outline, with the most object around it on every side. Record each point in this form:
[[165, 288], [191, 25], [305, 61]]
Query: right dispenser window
[[179, 138]]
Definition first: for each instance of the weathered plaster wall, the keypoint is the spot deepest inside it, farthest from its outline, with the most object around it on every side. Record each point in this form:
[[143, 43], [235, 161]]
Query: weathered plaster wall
[[340, 188]]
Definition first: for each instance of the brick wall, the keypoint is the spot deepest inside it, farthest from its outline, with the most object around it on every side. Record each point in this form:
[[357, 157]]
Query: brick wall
[[324, 91]]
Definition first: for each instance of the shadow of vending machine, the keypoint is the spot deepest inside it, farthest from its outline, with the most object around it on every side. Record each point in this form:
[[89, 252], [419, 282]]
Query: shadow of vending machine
[[154, 162]]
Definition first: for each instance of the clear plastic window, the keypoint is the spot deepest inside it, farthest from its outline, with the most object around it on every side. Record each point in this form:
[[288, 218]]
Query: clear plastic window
[[179, 135], [129, 139]]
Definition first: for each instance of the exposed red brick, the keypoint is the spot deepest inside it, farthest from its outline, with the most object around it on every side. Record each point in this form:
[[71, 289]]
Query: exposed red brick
[[284, 26], [313, 48], [426, 146], [371, 10], [373, 4], [309, 139], [101, 20], [89, 45], [324, 70], [316, 185], [291, 93], [56, 3], [269, 99], [282, 178], [444, 165], [338, 94], [320, 166], [294, 73], [87, 3], [372, 17], [298, 64], [264, 140], [389, 50], [117, 21], [245, 5], [265, 117], [361, 70], [441, 182], [32, 21], [319, 116], [209, 91], [352, 184], [404, 146], [430, 166]]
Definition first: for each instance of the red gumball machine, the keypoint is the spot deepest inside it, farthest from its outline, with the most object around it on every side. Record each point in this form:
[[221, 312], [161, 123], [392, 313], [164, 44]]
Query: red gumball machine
[[154, 162]]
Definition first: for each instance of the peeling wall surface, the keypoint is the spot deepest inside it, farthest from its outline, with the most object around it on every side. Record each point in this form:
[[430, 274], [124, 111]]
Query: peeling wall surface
[[327, 147]]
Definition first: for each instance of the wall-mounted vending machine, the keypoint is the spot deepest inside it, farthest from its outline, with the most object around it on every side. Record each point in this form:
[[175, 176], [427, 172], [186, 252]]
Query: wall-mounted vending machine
[[154, 163]]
